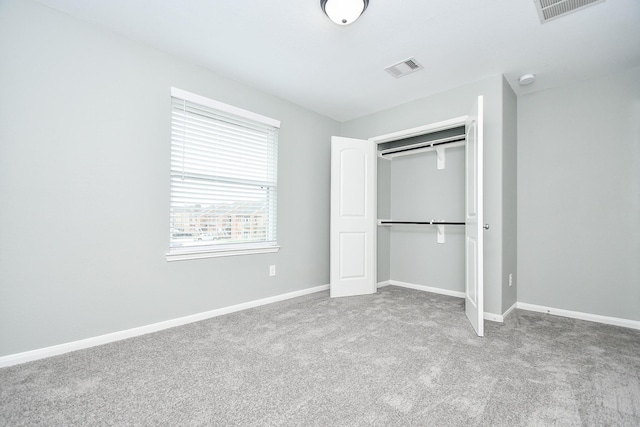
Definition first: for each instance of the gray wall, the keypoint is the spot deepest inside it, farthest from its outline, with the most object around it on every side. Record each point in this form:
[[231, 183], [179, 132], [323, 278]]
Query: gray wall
[[419, 192], [84, 160], [579, 197], [509, 196], [84, 167], [384, 211], [443, 106]]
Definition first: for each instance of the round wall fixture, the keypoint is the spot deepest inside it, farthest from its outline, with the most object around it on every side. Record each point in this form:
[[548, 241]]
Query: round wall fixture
[[343, 12], [526, 79]]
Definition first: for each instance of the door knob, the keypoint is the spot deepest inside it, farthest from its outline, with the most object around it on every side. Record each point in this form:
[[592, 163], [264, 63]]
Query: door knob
[[486, 226]]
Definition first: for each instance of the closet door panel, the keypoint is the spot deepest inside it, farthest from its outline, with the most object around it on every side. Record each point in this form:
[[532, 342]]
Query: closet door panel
[[353, 183], [353, 217], [474, 256], [353, 267]]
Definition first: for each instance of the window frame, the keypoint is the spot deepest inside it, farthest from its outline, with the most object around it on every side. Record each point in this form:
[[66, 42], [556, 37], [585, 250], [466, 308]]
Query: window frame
[[223, 250]]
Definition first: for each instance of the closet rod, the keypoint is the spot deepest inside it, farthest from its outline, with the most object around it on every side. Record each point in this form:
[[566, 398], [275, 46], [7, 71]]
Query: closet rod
[[432, 144], [382, 222]]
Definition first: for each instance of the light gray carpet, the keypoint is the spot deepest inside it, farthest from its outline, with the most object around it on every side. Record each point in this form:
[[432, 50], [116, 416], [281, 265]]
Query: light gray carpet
[[396, 358]]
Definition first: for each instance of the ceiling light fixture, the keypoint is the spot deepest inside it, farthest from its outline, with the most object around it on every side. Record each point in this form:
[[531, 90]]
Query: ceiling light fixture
[[344, 12], [526, 79]]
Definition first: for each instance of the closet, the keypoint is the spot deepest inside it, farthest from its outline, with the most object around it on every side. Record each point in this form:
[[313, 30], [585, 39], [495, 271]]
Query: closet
[[354, 214]]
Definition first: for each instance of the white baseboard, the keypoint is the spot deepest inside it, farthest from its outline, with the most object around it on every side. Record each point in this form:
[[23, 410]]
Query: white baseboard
[[633, 324], [488, 316], [616, 321], [28, 356], [424, 288], [493, 317]]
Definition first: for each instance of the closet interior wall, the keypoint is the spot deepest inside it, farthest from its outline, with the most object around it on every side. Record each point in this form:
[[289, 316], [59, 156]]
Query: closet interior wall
[[411, 188]]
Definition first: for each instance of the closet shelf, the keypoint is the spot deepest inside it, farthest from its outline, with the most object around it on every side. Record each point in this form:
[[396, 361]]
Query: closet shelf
[[432, 222], [438, 146], [439, 224]]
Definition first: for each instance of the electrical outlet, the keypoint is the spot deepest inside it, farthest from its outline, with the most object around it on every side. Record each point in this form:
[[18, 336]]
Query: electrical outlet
[[272, 270], [510, 279]]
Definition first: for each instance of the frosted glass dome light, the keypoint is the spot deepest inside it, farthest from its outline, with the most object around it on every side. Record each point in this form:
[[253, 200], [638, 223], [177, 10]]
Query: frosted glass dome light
[[344, 12]]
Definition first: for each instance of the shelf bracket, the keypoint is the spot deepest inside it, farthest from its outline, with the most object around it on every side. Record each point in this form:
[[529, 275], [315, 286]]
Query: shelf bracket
[[440, 233], [441, 157]]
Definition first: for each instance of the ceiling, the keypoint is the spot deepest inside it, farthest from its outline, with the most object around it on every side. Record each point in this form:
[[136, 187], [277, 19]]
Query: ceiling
[[289, 48]]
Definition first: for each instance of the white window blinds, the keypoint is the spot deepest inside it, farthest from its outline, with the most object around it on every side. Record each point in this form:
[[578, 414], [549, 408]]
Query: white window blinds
[[223, 177]]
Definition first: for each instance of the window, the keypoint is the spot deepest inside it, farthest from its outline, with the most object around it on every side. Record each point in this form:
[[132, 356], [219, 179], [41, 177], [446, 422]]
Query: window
[[223, 181]]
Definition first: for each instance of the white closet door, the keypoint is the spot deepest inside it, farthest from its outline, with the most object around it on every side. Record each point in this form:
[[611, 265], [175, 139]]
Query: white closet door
[[353, 217], [474, 293]]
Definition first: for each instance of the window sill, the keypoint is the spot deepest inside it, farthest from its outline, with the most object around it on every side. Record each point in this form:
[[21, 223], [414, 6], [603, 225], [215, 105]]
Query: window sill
[[216, 253]]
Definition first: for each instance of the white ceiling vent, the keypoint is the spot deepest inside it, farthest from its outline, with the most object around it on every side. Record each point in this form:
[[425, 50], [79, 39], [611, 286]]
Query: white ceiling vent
[[403, 68], [551, 9]]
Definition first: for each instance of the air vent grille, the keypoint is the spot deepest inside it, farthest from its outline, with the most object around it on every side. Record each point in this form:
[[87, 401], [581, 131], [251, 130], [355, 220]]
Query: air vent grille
[[403, 68], [551, 9]]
